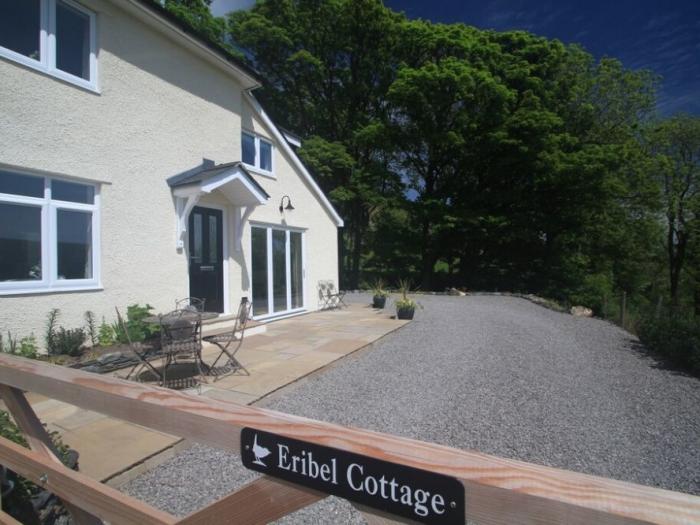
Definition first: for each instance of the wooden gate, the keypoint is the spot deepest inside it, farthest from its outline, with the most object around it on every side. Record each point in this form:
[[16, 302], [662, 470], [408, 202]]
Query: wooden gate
[[497, 490]]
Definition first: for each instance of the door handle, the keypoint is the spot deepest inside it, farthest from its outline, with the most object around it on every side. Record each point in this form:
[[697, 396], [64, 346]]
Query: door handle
[[206, 268]]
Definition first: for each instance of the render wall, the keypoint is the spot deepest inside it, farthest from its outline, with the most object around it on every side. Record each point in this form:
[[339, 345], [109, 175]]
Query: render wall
[[160, 111]]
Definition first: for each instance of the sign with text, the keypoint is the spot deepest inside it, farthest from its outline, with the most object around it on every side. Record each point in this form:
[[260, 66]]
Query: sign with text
[[396, 489]]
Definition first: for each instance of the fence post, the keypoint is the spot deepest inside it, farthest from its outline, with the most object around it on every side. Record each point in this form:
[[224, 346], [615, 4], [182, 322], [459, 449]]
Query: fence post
[[623, 309]]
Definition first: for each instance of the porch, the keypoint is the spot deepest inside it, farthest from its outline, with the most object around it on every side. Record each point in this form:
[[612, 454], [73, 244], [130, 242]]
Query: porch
[[288, 350]]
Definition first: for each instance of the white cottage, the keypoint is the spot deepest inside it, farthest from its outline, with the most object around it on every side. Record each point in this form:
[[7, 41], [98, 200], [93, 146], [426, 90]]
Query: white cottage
[[136, 166]]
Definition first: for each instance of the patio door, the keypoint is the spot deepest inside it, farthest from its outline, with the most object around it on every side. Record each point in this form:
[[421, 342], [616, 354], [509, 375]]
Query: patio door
[[277, 270], [207, 257]]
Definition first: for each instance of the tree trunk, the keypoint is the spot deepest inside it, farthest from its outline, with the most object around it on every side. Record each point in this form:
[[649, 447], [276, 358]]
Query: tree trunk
[[427, 258]]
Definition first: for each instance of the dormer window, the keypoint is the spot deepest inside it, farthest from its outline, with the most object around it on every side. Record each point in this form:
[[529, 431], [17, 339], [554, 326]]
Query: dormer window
[[257, 153], [53, 36]]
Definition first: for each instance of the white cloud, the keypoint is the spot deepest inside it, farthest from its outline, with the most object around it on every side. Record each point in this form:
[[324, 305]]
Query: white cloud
[[222, 7]]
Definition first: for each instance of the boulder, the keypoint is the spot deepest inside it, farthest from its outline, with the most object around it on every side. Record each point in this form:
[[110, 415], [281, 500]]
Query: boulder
[[455, 291], [581, 311]]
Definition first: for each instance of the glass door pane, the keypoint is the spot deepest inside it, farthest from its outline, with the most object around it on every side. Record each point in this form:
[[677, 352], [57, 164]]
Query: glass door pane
[[259, 271], [279, 270], [295, 269]]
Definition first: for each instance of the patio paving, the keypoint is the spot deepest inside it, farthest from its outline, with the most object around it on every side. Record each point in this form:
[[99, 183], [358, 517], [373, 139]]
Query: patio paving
[[289, 350]]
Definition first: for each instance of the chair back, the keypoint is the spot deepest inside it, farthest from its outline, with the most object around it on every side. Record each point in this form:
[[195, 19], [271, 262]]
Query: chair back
[[242, 317], [179, 326], [190, 303], [123, 326]]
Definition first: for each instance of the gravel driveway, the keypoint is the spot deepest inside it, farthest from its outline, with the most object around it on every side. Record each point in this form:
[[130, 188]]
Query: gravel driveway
[[493, 373]]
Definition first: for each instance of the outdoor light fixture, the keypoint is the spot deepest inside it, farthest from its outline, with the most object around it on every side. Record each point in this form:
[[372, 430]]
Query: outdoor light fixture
[[288, 206]]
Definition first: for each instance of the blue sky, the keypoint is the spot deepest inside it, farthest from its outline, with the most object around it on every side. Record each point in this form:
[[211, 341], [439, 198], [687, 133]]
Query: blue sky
[[663, 36]]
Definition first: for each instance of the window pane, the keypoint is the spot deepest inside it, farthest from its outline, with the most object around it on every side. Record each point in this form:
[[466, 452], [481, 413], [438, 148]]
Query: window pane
[[72, 41], [279, 270], [17, 184], [213, 240], [20, 26], [265, 156], [295, 269], [20, 242], [259, 270], [248, 144], [74, 250], [72, 191], [198, 243]]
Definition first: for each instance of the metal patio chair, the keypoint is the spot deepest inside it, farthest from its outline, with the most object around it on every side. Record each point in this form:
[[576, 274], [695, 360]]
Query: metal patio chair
[[329, 297], [144, 354], [229, 343], [181, 341]]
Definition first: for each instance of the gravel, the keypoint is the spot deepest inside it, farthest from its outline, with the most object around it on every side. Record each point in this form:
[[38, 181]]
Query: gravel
[[493, 373]]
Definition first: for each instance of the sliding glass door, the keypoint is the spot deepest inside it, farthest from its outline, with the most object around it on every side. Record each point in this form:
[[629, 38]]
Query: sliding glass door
[[277, 270]]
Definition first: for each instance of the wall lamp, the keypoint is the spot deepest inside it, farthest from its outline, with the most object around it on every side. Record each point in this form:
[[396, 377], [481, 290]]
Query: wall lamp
[[288, 207]]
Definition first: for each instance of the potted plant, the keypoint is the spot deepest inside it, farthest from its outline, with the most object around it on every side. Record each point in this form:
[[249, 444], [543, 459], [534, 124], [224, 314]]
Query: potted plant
[[379, 294], [405, 307]]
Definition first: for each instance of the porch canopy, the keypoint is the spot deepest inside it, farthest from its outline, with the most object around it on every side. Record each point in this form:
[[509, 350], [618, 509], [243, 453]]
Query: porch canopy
[[232, 180]]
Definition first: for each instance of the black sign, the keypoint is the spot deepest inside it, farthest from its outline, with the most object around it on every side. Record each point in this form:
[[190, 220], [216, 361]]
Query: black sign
[[397, 489]]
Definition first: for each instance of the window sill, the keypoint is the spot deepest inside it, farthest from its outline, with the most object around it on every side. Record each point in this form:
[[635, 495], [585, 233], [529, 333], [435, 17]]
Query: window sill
[[258, 171], [53, 73], [54, 290]]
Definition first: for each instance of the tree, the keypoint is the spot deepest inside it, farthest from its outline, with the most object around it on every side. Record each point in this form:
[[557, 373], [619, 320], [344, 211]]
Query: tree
[[675, 148]]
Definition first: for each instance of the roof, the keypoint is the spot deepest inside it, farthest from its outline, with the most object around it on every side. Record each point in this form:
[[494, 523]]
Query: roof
[[208, 171], [156, 7]]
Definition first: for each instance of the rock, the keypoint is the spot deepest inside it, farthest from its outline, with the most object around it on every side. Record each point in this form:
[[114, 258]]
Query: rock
[[581, 311], [110, 357], [455, 291]]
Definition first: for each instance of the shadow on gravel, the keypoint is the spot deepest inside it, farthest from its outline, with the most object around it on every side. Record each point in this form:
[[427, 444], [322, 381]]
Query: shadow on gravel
[[655, 360]]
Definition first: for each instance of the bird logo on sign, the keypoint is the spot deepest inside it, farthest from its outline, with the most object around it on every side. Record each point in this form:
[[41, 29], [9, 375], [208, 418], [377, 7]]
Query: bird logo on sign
[[260, 452]]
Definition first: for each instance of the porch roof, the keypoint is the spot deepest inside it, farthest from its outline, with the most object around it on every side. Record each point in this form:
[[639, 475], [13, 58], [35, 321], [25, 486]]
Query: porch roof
[[216, 176]]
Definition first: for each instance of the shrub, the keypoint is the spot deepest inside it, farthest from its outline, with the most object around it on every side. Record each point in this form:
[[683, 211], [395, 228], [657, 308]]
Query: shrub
[[51, 321], [137, 328], [68, 342], [676, 339], [105, 334], [26, 347]]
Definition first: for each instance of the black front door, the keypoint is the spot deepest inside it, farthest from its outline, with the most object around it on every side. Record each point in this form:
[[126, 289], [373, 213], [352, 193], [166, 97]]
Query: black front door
[[207, 258]]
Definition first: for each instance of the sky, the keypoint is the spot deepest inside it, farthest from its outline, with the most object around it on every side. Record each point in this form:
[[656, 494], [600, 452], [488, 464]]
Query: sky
[[663, 36]]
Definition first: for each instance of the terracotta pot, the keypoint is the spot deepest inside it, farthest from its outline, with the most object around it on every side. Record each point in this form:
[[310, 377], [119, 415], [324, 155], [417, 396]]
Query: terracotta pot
[[378, 301]]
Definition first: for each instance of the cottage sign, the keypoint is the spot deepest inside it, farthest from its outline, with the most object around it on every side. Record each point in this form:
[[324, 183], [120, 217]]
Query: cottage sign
[[396, 489]]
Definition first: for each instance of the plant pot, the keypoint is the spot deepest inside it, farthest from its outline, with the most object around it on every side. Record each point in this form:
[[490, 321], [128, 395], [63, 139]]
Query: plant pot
[[378, 301], [405, 313]]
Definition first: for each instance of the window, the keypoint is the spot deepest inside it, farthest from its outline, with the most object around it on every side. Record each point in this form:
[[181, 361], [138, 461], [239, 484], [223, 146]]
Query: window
[[257, 152], [53, 36], [48, 234]]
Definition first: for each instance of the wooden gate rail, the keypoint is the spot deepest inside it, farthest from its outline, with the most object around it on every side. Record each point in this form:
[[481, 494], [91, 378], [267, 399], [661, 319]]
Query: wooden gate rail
[[497, 490]]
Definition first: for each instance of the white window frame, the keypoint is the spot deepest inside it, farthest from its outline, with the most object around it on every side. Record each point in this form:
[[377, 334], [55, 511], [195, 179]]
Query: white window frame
[[255, 168], [270, 278], [47, 46], [49, 240]]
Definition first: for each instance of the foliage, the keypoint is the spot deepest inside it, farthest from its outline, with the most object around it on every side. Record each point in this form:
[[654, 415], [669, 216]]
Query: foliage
[[50, 330], [67, 342], [18, 502], [405, 302], [137, 329], [674, 338], [62, 341], [105, 334], [91, 327], [25, 347], [378, 288]]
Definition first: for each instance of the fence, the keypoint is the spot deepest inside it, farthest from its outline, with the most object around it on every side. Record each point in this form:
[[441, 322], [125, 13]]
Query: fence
[[495, 490]]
